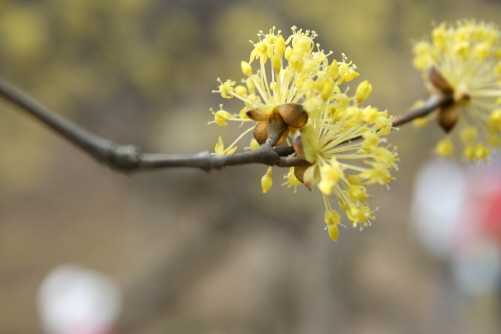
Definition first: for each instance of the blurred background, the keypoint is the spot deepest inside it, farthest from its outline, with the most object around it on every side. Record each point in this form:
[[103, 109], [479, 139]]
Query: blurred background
[[184, 251]]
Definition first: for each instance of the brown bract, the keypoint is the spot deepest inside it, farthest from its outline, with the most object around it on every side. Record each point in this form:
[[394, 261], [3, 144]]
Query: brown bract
[[274, 128], [280, 117], [299, 173], [293, 114], [439, 82], [260, 114], [297, 143], [447, 114]]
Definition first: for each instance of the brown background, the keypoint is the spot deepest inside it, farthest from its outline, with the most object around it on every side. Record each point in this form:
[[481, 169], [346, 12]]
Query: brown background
[[209, 253]]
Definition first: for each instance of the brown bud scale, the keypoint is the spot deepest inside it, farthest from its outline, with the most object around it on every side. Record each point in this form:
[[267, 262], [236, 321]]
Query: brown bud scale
[[447, 116], [437, 79], [297, 143], [293, 114]]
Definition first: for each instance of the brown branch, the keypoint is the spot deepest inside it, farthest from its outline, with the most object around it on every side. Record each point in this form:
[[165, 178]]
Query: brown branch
[[434, 102], [128, 158]]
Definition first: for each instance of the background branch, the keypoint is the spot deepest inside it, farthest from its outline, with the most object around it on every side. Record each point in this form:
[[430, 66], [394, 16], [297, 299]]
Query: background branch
[[434, 102]]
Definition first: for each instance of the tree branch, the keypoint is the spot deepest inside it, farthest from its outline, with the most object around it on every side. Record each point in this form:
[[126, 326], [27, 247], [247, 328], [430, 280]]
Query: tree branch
[[117, 156], [128, 158], [434, 102]]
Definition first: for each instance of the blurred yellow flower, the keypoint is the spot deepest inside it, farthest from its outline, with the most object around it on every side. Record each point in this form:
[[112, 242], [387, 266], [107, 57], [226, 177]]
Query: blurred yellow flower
[[341, 140], [462, 62]]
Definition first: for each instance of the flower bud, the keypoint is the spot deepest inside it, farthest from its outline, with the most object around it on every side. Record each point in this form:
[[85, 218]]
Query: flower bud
[[293, 114], [266, 180], [240, 90], [246, 68], [332, 219], [333, 69], [327, 89], [333, 231], [288, 53], [260, 114], [363, 90], [280, 45]]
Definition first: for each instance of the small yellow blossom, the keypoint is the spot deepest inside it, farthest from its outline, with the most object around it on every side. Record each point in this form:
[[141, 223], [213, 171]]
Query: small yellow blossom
[[254, 144], [221, 116], [463, 61], [292, 180], [246, 68], [266, 180], [332, 219], [221, 150], [226, 89], [295, 84]]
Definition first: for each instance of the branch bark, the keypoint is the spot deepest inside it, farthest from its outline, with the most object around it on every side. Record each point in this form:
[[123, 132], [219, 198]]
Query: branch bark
[[434, 102], [128, 158]]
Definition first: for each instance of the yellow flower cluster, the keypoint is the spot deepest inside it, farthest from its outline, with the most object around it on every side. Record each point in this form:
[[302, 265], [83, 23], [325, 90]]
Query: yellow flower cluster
[[340, 140], [462, 61], [344, 148]]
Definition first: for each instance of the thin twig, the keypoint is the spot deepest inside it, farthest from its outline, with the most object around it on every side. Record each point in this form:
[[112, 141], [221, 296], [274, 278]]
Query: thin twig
[[434, 102], [128, 158], [117, 156]]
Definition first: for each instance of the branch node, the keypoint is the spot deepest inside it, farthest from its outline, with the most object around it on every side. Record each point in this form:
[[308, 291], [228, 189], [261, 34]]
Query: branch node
[[122, 158]]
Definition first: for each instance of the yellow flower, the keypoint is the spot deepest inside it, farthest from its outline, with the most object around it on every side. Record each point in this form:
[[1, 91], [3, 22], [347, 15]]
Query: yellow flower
[[221, 150], [296, 84], [342, 165], [332, 219], [462, 61], [292, 180], [277, 91]]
